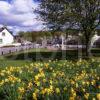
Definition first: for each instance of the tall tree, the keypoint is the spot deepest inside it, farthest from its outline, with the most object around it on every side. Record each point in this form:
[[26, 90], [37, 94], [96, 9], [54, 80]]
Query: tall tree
[[80, 14]]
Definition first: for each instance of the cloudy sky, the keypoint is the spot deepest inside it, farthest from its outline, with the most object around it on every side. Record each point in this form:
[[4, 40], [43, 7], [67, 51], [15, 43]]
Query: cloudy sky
[[18, 15]]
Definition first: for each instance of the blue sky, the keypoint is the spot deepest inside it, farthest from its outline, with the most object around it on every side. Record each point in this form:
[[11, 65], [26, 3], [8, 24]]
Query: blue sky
[[18, 15]]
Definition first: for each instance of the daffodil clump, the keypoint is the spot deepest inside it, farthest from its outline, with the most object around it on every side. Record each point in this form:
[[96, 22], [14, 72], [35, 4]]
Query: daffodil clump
[[51, 80]]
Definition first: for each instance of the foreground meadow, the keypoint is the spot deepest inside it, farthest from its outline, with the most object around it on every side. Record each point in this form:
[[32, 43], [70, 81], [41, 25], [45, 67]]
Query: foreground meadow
[[51, 80]]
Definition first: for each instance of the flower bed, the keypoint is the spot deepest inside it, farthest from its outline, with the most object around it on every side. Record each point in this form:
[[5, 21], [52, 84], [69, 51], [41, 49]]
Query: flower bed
[[52, 80]]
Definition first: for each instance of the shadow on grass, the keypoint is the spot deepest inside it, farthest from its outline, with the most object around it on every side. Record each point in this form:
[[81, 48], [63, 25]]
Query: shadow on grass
[[41, 56], [50, 55]]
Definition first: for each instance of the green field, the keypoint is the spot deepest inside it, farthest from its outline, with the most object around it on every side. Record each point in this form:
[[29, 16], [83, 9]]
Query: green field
[[26, 57]]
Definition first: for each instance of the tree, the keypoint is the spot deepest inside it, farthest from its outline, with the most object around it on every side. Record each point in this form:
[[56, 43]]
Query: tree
[[83, 15], [33, 36]]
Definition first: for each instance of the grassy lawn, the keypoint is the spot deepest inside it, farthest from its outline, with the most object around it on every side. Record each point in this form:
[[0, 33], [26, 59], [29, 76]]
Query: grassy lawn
[[44, 54], [26, 57], [8, 63]]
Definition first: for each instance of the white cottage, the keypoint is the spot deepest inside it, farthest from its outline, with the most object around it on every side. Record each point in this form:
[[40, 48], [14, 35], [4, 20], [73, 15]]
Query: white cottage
[[6, 38]]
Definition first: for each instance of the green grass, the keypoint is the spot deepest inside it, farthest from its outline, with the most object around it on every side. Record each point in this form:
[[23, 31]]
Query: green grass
[[8, 63], [44, 54], [28, 56]]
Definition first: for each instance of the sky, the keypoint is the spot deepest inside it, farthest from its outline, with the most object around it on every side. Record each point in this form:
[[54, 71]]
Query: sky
[[18, 15]]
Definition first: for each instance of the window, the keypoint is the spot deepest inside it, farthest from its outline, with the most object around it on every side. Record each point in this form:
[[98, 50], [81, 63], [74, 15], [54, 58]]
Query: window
[[3, 33], [0, 41]]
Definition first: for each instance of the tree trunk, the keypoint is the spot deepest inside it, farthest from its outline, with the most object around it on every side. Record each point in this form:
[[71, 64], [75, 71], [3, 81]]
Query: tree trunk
[[87, 50]]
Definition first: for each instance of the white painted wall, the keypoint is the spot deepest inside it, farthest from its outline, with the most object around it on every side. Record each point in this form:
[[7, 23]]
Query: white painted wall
[[7, 39], [94, 39]]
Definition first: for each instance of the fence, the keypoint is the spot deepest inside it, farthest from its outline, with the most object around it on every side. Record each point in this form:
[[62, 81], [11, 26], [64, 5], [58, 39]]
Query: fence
[[8, 50]]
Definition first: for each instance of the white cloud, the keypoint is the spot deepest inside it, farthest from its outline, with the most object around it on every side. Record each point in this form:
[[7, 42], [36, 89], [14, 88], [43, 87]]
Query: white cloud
[[19, 15], [4, 6], [23, 6]]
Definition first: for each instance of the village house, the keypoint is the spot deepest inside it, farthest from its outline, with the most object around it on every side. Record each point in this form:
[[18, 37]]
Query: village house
[[6, 37]]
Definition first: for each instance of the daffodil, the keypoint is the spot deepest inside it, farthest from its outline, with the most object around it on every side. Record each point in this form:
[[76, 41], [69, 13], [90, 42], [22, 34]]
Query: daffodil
[[2, 82], [65, 88], [38, 83], [86, 96], [57, 90], [34, 96], [21, 89], [98, 96], [72, 98], [30, 85]]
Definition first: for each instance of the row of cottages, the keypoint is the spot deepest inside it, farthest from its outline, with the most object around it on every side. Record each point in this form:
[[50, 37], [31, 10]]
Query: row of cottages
[[6, 37]]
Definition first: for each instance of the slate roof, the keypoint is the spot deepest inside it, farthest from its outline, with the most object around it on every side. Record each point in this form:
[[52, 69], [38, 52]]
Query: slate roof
[[1, 29]]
